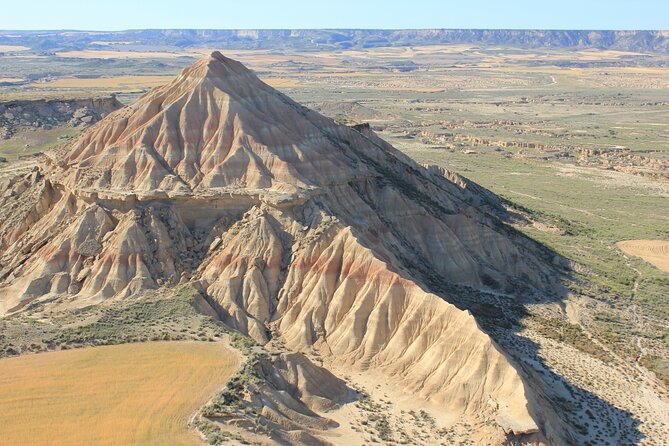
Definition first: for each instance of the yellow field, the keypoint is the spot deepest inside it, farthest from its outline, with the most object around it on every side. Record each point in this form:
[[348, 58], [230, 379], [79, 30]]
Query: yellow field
[[655, 252], [133, 394], [4, 48], [134, 82], [107, 82], [111, 54], [102, 42], [418, 89], [374, 74], [278, 82]]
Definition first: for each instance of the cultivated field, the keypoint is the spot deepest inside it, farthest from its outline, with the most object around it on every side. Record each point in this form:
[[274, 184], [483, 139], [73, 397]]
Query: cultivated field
[[139, 394], [8, 48], [655, 252], [120, 54], [118, 82]]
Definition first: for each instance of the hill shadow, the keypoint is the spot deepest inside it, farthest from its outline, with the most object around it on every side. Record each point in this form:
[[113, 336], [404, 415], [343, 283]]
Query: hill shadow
[[566, 412], [580, 417]]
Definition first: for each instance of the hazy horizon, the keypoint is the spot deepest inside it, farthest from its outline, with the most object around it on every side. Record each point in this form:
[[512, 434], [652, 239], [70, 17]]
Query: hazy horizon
[[95, 30]]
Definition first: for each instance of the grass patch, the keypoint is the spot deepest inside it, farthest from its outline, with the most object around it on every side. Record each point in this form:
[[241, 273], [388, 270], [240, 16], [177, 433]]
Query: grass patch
[[659, 366], [170, 317], [562, 331]]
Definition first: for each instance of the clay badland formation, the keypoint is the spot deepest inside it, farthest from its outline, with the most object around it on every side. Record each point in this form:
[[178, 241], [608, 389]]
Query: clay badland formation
[[292, 228]]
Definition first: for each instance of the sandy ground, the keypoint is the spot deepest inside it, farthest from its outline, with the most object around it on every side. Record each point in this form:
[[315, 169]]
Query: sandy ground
[[655, 252], [646, 403], [393, 416]]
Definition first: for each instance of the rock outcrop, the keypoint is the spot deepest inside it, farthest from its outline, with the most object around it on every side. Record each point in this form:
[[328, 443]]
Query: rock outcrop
[[292, 227], [46, 114]]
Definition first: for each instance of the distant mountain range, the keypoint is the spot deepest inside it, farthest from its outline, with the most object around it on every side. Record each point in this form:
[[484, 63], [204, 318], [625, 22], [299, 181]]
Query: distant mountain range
[[324, 39]]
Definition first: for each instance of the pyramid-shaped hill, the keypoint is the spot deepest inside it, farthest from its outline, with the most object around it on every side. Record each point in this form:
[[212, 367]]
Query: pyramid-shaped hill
[[216, 127], [291, 227]]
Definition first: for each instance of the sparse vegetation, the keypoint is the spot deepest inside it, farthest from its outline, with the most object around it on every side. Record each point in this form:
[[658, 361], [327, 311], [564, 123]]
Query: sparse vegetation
[[159, 316], [563, 331], [231, 400], [660, 366]]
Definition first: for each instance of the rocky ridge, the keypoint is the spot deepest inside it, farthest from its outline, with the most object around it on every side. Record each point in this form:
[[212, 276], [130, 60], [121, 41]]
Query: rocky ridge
[[46, 114], [654, 41]]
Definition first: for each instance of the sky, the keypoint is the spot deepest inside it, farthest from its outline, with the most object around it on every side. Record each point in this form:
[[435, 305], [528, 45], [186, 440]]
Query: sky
[[295, 14]]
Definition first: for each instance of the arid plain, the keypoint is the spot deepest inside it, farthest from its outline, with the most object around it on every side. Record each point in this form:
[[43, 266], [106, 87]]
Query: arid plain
[[576, 143]]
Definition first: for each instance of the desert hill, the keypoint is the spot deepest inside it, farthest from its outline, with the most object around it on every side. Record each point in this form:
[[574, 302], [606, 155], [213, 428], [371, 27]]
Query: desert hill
[[293, 229]]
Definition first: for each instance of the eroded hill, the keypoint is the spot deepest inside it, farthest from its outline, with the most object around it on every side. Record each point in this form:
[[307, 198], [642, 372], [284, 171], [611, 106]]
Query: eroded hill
[[296, 231]]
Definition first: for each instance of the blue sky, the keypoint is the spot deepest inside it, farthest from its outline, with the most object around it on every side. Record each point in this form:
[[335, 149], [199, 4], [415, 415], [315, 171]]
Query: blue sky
[[245, 14]]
